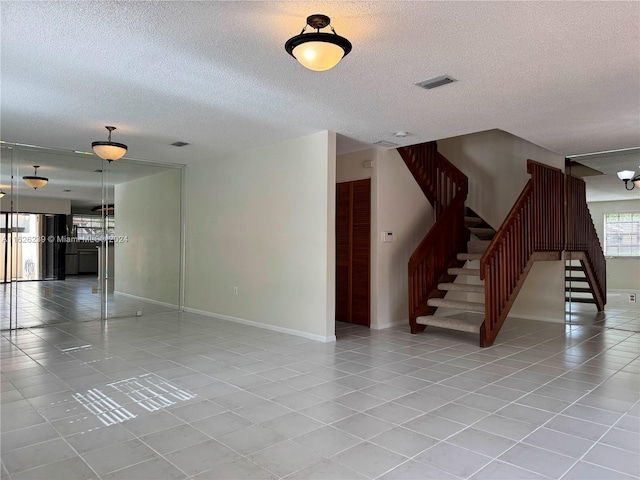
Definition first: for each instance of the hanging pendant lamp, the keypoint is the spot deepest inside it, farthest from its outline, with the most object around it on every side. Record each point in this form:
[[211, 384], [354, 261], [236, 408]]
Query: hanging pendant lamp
[[109, 150], [34, 181], [630, 179], [318, 51]]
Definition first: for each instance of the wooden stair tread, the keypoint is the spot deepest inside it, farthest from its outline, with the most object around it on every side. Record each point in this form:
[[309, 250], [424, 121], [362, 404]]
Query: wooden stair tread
[[464, 271], [458, 304], [474, 220], [573, 268], [575, 279], [578, 290], [451, 323], [461, 287], [580, 299]]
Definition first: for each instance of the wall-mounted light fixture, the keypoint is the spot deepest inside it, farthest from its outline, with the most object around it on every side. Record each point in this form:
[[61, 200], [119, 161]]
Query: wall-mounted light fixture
[[109, 150], [318, 51], [630, 178], [34, 181]]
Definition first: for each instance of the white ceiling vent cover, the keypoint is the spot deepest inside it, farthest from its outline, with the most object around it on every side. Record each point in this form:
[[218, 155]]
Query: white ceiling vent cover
[[436, 82]]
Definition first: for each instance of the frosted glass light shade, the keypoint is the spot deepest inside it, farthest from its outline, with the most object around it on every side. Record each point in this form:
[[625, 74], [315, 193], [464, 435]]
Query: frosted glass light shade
[[626, 174], [109, 151], [318, 56], [318, 51], [35, 182], [2, 194]]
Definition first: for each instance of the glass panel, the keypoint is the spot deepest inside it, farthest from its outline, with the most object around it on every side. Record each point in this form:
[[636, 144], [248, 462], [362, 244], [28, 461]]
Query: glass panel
[[144, 250], [99, 240], [7, 294]]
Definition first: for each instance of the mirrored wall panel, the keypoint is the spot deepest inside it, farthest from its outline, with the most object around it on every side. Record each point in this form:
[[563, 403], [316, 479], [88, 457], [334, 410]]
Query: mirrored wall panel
[[84, 239]]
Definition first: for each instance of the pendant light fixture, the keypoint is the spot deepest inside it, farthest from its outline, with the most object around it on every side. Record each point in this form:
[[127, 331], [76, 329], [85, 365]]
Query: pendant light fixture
[[2, 194], [315, 50], [34, 181], [107, 209], [629, 177], [109, 150]]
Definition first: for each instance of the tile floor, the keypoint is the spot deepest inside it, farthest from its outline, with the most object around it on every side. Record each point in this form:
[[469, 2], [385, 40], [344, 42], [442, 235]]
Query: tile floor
[[183, 396], [54, 302]]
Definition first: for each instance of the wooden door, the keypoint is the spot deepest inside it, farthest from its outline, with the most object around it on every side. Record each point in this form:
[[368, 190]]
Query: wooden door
[[353, 251]]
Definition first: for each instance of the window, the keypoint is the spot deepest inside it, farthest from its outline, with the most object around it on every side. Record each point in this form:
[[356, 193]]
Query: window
[[622, 234], [89, 227]]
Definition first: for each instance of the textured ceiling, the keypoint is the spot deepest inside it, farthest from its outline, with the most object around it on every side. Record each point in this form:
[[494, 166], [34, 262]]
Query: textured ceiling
[[564, 75]]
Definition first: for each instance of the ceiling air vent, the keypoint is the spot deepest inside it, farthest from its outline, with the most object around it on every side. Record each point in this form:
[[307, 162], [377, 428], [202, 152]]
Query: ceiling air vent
[[436, 82], [384, 143], [179, 144]]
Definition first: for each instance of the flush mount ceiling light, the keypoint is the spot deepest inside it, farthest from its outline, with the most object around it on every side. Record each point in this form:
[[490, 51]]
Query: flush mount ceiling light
[[318, 51], [109, 150], [629, 177], [34, 181]]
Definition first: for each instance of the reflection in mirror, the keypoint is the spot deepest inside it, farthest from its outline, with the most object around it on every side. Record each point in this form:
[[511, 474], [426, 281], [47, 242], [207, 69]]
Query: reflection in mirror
[[99, 240]]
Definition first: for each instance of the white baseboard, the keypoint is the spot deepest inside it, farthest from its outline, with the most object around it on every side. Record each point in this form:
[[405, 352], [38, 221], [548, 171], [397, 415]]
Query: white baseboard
[[155, 302], [382, 326], [539, 319], [274, 328]]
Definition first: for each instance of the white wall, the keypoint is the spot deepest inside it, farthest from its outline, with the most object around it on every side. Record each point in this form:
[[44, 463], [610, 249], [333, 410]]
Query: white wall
[[496, 164], [148, 211], [264, 221], [624, 272], [399, 206], [36, 204]]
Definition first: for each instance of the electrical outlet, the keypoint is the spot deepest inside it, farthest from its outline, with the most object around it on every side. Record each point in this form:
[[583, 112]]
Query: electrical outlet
[[632, 297], [139, 313], [235, 290]]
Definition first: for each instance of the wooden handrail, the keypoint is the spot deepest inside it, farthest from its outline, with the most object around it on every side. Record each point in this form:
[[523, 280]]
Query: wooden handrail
[[582, 238], [536, 228], [533, 230], [446, 189], [421, 160]]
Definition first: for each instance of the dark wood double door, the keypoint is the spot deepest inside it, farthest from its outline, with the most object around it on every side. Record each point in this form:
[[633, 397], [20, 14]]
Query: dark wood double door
[[353, 251]]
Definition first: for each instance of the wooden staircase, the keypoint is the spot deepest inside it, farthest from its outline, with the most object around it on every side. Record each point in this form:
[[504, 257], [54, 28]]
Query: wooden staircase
[[577, 287], [479, 279], [466, 283]]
